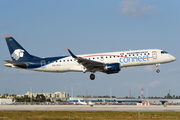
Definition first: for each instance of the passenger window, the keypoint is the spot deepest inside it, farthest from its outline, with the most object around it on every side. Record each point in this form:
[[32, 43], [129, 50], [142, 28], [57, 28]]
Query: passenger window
[[64, 60], [93, 58], [68, 60], [97, 57], [137, 54], [106, 57], [129, 54], [144, 53], [71, 59], [60, 61], [133, 54], [118, 56], [109, 56], [148, 53], [114, 56]]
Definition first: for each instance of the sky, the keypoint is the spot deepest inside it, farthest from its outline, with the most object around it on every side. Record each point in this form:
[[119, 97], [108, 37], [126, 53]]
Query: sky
[[46, 28]]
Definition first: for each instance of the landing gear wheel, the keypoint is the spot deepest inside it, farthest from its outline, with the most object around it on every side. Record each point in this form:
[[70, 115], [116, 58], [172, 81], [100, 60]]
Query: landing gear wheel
[[92, 76], [157, 70]]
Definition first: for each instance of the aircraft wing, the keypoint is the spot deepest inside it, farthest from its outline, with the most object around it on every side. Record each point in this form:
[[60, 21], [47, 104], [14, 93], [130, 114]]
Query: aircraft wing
[[89, 64], [16, 63]]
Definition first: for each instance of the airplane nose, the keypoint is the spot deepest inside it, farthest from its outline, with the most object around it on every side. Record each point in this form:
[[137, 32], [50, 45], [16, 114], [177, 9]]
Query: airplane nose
[[173, 58]]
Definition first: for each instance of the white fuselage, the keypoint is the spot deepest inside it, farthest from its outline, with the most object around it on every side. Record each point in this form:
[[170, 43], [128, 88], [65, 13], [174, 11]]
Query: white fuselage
[[125, 58]]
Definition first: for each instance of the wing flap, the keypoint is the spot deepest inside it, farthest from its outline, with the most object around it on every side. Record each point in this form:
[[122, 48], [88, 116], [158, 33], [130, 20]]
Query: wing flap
[[91, 62]]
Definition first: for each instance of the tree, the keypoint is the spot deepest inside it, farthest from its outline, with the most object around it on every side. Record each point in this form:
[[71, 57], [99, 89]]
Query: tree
[[59, 100], [13, 95], [126, 97], [107, 96], [173, 96], [169, 96], [40, 98], [22, 99], [3, 96], [26, 99]]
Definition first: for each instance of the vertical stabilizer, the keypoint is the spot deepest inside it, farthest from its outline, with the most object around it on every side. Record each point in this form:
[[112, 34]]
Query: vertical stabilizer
[[17, 52]]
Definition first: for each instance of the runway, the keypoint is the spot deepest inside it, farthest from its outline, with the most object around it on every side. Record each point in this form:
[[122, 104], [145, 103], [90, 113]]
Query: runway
[[121, 108]]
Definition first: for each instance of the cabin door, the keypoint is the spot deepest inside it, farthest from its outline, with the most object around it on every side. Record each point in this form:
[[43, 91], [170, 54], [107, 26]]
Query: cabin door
[[154, 55]]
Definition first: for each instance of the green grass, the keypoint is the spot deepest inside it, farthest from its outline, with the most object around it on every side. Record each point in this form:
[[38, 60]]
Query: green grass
[[62, 115]]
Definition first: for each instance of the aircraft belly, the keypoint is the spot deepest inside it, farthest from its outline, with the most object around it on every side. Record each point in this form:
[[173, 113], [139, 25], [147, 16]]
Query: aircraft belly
[[61, 68], [79, 68]]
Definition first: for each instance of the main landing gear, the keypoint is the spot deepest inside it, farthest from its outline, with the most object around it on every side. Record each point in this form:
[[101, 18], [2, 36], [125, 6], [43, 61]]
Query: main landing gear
[[157, 70], [92, 76]]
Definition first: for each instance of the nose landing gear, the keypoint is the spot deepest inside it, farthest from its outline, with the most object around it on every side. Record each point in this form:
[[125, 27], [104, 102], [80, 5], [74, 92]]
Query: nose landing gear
[[157, 70], [92, 76]]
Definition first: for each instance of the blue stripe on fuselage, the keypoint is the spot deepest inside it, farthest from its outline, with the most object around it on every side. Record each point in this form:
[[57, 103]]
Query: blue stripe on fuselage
[[35, 64]]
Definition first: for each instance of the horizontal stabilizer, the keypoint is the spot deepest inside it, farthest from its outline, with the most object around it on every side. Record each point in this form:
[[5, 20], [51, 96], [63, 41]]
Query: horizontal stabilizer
[[16, 63]]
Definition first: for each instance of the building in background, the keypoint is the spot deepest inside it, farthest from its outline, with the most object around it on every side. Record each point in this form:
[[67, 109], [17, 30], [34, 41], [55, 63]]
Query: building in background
[[52, 96]]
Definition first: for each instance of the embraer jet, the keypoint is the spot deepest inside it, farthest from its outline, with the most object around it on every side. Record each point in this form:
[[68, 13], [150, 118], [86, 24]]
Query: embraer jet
[[109, 63], [10, 103]]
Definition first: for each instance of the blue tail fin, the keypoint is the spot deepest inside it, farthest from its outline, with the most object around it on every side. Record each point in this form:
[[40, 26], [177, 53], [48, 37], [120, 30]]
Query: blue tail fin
[[18, 53]]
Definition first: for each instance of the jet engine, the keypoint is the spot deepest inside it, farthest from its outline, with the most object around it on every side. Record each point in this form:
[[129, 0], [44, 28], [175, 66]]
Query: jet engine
[[112, 68]]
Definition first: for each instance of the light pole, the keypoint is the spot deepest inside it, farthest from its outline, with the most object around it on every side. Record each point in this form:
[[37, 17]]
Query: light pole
[[31, 94], [110, 95]]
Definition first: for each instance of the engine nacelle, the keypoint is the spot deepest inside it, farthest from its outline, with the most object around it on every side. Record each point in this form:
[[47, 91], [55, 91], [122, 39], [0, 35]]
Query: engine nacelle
[[112, 68]]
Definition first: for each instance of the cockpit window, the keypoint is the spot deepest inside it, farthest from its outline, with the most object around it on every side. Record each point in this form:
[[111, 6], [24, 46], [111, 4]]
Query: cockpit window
[[164, 52]]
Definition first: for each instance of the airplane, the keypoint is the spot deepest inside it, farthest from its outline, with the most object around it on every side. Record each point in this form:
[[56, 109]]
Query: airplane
[[10, 103], [109, 63], [84, 103], [81, 103]]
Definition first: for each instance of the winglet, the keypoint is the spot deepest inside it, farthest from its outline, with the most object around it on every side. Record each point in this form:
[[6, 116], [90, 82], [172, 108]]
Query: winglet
[[8, 37], [74, 56]]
